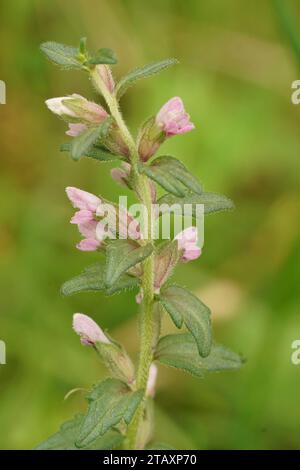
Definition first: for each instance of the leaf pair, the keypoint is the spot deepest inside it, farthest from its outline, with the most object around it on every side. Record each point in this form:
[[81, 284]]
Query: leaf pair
[[70, 57], [180, 351], [121, 255]]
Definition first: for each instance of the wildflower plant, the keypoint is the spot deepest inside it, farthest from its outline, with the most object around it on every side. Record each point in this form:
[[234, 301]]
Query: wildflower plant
[[119, 411]]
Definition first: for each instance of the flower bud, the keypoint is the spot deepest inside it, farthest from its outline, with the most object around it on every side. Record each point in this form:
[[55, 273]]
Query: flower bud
[[187, 243], [121, 175], [88, 330], [76, 107], [76, 129], [106, 75]]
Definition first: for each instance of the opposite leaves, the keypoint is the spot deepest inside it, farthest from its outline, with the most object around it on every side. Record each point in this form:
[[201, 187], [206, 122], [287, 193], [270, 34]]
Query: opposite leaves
[[110, 402], [142, 72], [171, 175], [180, 351], [184, 307]]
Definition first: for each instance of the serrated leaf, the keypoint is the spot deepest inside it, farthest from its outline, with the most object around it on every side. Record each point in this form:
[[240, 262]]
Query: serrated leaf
[[65, 438], [171, 175], [93, 279], [185, 307], [122, 255], [60, 54], [180, 351], [95, 151], [81, 144], [213, 202], [110, 402], [166, 258], [103, 56], [140, 73]]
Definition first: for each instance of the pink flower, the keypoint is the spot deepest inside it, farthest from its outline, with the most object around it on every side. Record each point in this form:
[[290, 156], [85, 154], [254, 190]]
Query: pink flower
[[106, 75], [88, 330], [76, 129], [150, 389], [85, 218], [187, 242], [82, 199], [121, 175], [88, 244], [173, 119]]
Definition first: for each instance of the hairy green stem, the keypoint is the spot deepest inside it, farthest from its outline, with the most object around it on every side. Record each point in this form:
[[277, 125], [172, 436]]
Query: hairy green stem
[[143, 191]]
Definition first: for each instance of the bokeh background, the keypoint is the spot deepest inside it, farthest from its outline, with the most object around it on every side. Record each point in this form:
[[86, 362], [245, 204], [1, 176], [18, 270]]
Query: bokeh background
[[238, 61]]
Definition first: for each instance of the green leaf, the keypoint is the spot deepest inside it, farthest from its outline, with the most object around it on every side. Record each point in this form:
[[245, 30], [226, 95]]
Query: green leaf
[[140, 73], [95, 151], [110, 402], [180, 351], [65, 438], [103, 56], [82, 143], [65, 56], [166, 257], [93, 279], [213, 202], [184, 307], [122, 255], [172, 175]]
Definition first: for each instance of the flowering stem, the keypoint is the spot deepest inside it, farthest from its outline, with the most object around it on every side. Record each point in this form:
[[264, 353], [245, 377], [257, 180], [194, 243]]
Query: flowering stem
[[143, 191]]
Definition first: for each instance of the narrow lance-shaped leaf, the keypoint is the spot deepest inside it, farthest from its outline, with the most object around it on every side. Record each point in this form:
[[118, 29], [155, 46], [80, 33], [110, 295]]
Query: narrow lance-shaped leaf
[[140, 73], [110, 402], [180, 351], [65, 438], [171, 175], [82, 143], [96, 152], [93, 279], [184, 307], [213, 202], [122, 255], [60, 54]]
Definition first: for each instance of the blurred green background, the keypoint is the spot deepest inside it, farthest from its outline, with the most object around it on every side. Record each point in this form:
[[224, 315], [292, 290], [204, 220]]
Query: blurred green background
[[235, 78]]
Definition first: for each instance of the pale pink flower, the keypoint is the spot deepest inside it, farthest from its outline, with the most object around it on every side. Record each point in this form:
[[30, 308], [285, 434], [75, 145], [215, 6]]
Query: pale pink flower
[[82, 216], [76, 129], [173, 119], [151, 384], [90, 333], [106, 75], [187, 242], [88, 244], [82, 199]]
